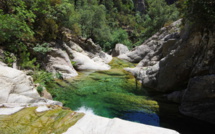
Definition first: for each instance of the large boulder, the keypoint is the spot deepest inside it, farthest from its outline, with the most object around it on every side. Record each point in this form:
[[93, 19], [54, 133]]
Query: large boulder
[[151, 57], [199, 98], [84, 53], [190, 57], [57, 61], [17, 87], [92, 124], [87, 55], [156, 47], [119, 49], [183, 62]]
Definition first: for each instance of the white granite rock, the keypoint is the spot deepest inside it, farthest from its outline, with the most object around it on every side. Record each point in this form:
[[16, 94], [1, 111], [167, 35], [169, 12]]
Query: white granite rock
[[42, 108], [92, 124], [16, 86], [58, 62], [119, 49], [9, 111], [85, 58]]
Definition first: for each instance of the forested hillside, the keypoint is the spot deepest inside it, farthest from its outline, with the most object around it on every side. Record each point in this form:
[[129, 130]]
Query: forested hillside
[[80, 52], [26, 24]]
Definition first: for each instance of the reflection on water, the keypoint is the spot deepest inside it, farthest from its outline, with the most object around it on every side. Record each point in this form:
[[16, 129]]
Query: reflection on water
[[141, 117], [113, 93]]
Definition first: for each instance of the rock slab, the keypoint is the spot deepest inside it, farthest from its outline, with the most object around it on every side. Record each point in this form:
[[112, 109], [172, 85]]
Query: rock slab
[[92, 124]]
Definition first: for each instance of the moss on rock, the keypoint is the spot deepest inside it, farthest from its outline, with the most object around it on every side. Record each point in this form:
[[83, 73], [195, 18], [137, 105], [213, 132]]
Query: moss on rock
[[28, 121]]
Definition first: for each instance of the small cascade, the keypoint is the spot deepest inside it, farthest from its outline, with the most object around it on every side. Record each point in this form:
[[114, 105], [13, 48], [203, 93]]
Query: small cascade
[[85, 110]]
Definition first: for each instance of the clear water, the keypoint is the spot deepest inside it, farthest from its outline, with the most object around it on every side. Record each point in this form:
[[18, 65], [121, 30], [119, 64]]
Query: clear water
[[114, 93]]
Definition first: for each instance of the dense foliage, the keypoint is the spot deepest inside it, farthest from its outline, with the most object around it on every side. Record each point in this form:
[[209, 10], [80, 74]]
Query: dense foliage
[[26, 25], [107, 22], [201, 12]]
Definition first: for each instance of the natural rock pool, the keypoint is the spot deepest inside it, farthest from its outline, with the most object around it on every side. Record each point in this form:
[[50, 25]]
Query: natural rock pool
[[112, 93], [115, 93]]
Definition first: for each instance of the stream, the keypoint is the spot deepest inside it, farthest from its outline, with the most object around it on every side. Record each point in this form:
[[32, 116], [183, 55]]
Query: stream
[[114, 93]]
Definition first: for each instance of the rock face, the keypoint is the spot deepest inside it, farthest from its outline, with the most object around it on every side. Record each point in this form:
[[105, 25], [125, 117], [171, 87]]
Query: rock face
[[119, 49], [152, 55], [58, 62], [17, 87], [156, 47], [199, 98], [81, 53], [175, 59], [86, 55], [92, 124]]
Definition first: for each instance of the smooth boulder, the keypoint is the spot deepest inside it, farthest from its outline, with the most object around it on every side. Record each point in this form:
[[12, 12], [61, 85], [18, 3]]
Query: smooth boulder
[[16, 86], [57, 61], [18, 89], [119, 49], [87, 55], [92, 124]]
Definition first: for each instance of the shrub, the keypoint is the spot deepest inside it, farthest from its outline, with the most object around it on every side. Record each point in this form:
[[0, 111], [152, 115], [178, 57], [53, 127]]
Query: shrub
[[43, 78], [43, 48]]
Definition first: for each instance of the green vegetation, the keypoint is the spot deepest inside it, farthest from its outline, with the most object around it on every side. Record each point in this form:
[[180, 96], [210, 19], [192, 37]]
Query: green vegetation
[[29, 24], [201, 12], [107, 22], [43, 78], [28, 121], [158, 14], [105, 92], [43, 48]]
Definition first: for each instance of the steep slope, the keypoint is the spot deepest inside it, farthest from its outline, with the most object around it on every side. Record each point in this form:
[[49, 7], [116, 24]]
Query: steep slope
[[175, 59]]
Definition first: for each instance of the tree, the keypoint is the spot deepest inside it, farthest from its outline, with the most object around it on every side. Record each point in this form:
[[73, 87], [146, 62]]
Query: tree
[[199, 11], [92, 22], [15, 20], [158, 13]]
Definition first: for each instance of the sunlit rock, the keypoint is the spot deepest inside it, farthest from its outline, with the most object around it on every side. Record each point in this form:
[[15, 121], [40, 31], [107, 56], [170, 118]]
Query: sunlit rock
[[92, 124]]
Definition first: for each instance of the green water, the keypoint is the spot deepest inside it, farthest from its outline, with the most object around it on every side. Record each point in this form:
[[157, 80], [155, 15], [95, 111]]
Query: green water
[[112, 93]]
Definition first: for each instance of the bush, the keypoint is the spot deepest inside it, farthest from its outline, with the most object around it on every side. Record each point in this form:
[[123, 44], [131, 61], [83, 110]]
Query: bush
[[40, 89], [117, 36], [43, 78], [8, 58], [43, 48]]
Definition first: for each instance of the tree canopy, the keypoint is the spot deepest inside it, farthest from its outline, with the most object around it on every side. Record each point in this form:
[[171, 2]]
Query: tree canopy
[[105, 21], [199, 11]]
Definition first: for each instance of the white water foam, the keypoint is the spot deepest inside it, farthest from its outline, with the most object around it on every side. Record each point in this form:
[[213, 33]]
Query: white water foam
[[85, 110]]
